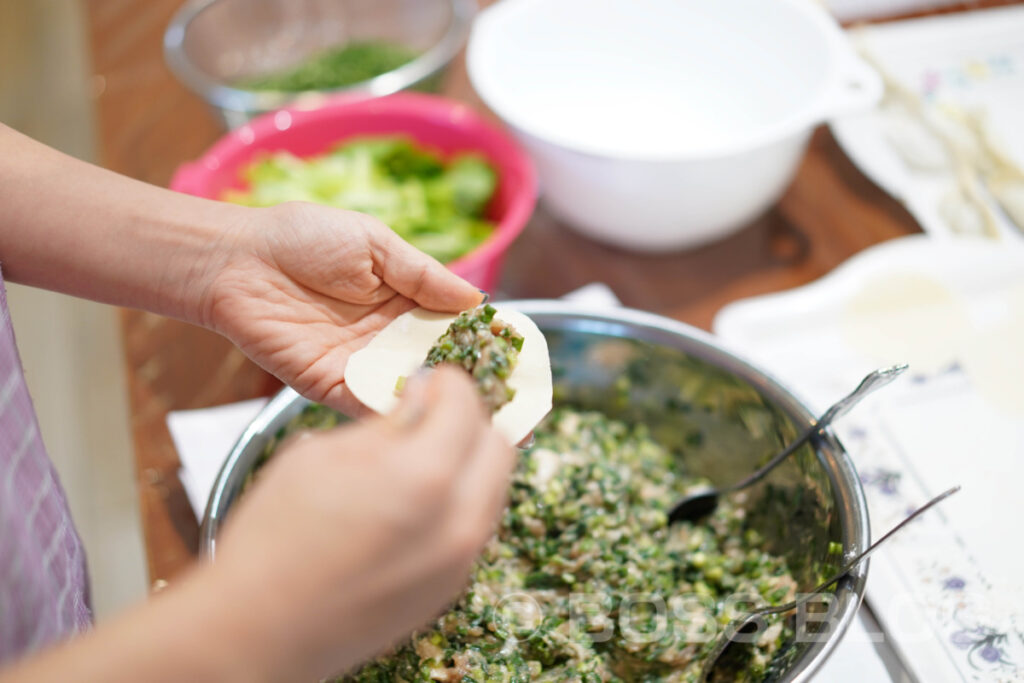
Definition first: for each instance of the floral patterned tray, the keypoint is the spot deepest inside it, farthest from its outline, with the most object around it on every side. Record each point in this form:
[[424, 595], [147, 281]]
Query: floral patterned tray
[[947, 591]]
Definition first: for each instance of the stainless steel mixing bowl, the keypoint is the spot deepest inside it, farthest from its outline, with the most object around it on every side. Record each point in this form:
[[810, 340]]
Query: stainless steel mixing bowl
[[212, 44], [720, 413]]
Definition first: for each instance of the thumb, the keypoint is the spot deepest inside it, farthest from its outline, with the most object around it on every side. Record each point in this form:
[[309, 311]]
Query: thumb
[[419, 277]]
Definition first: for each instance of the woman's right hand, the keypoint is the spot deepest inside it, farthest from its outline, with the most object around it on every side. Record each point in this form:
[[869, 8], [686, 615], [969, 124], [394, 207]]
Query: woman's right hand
[[353, 538]]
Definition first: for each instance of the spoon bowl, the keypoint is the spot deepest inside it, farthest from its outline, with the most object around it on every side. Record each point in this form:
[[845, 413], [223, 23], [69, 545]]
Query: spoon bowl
[[703, 502]]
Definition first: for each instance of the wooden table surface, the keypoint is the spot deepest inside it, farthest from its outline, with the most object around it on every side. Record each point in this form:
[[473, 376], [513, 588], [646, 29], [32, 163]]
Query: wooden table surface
[[149, 124]]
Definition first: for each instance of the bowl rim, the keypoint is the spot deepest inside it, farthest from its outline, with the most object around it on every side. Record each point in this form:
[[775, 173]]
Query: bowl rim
[[624, 322], [849, 85], [189, 177], [224, 96]]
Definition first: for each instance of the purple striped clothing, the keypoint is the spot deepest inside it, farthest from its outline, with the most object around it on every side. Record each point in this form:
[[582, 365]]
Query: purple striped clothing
[[44, 594]]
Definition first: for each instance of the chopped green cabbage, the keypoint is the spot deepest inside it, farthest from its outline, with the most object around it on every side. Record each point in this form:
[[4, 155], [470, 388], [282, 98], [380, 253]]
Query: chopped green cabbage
[[436, 206]]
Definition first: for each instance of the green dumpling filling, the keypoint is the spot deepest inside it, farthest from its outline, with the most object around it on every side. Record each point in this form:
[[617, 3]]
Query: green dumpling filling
[[584, 536], [485, 347]]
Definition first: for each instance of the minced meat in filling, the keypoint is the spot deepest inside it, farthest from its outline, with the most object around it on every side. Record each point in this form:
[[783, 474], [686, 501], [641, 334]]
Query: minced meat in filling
[[585, 581], [485, 347]]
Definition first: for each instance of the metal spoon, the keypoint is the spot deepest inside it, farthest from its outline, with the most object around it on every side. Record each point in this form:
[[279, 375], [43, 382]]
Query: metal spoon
[[756, 618], [703, 502]]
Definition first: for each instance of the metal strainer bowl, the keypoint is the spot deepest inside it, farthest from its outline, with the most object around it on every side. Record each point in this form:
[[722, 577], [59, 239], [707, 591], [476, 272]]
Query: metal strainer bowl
[[211, 45]]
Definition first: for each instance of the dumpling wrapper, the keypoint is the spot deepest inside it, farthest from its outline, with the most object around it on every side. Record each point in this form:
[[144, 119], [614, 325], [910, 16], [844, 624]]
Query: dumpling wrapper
[[400, 349]]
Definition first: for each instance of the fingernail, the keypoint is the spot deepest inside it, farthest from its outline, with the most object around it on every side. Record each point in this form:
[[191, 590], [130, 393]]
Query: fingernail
[[487, 297], [412, 403]]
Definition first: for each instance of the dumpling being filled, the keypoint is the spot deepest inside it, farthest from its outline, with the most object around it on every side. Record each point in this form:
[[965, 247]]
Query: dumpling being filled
[[502, 349], [484, 346]]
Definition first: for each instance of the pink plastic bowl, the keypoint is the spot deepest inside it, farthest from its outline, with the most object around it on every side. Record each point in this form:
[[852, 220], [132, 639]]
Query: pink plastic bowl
[[436, 122]]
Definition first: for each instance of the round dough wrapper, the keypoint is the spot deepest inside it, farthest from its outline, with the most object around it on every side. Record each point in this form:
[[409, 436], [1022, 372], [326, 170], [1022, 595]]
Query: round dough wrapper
[[907, 317], [400, 349]]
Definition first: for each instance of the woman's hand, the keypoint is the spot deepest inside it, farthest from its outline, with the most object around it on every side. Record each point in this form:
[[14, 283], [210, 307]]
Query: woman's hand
[[299, 287], [352, 538], [348, 540]]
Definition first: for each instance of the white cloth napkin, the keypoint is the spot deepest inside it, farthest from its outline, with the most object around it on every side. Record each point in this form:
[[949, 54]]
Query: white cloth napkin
[[204, 437]]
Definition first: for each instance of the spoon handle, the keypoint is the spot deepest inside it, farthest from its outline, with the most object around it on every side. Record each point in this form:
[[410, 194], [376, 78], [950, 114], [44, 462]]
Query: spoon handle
[[873, 381], [849, 566], [726, 639]]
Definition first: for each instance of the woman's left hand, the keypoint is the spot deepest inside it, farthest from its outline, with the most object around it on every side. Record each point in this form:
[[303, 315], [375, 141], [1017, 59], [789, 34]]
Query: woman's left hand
[[299, 287]]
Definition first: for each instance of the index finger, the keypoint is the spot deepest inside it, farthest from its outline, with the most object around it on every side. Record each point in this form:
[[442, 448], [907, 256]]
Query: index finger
[[451, 416]]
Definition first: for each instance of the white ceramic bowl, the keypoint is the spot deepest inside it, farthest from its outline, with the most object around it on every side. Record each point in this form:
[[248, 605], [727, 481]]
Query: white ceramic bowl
[[661, 124]]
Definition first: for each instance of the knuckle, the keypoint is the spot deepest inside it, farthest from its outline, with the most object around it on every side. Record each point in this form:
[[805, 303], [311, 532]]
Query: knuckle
[[467, 535], [498, 447], [293, 211], [458, 385], [371, 229], [420, 279], [427, 483], [375, 226]]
